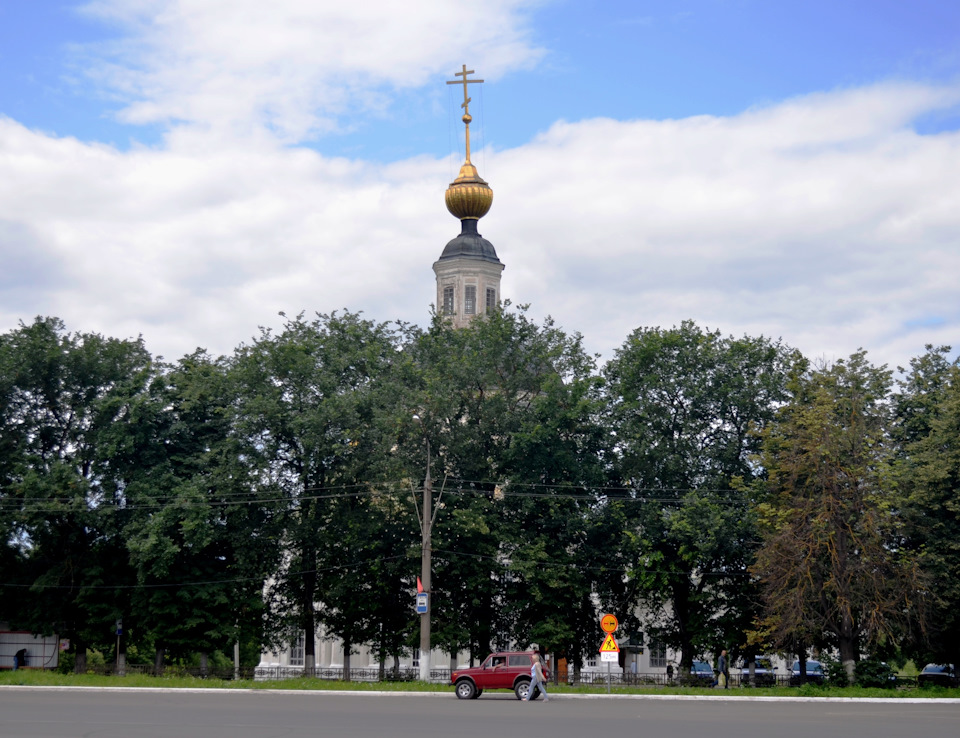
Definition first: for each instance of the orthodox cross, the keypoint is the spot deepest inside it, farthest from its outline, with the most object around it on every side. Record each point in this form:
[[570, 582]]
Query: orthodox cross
[[466, 99]]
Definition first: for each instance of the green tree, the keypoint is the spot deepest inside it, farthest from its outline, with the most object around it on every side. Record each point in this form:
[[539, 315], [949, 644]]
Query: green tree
[[510, 408], [62, 393], [202, 538], [369, 572], [315, 420], [928, 471], [830, 566], [684, 405]]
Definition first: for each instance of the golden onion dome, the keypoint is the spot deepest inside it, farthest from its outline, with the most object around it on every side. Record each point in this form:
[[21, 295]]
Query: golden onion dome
[[469, 196]]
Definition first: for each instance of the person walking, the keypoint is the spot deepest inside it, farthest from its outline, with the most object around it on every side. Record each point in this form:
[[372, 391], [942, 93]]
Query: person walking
[[723, 666], [537, 680]]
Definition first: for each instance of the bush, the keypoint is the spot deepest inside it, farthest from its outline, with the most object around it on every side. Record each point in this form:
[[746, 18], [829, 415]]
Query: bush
[[836, 674], [66, 662], [874, 673]]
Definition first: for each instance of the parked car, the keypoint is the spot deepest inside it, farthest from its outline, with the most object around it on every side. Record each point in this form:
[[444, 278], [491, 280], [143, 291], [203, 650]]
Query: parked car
[[942, 675], [814, 672], [702, 670], [501, 670], [764, 674]]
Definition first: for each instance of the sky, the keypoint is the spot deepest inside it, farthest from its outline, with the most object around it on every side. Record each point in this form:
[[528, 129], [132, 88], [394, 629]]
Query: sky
[[188, 170]]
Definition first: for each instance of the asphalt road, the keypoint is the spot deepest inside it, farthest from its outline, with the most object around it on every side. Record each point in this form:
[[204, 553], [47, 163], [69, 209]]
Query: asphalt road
[[46, 713]]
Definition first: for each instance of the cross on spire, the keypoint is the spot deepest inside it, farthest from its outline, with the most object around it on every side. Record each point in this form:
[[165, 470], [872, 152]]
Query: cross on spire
[[465, 81], [466, 99]]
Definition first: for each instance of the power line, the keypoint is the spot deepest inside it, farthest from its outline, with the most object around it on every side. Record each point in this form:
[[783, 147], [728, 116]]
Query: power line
[[464, 488], [442, 554]]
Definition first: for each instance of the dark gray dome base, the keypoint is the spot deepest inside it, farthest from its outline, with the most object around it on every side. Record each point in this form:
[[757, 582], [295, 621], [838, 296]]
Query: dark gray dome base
[[470, 244]]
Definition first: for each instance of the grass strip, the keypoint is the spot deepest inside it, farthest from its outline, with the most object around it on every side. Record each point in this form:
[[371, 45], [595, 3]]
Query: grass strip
[[27, 677]]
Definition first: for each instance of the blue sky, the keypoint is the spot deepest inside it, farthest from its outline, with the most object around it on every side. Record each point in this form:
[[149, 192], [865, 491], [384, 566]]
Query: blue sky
[[777, 167], [622, 60]]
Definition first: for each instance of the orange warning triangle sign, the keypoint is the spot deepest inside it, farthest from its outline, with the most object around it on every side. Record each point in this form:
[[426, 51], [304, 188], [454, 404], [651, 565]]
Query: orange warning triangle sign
[[609, 645]]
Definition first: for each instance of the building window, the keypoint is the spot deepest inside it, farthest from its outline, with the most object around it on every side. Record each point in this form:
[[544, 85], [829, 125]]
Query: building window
[[296, 650], [470, 299], [491, 299], [592, 660], [658, 654], [448, 300], [415, 661]]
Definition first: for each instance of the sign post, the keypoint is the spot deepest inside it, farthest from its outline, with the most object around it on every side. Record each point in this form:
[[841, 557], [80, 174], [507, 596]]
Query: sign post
[[609, 649], [121, 656]]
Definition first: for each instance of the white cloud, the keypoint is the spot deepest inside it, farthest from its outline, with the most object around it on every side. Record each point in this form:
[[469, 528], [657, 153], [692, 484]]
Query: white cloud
[[825, 219], [293, 67], [193, 248]]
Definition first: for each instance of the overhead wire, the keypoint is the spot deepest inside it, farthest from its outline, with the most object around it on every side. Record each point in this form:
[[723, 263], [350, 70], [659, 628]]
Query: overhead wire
[[461, 487], [441, 555]]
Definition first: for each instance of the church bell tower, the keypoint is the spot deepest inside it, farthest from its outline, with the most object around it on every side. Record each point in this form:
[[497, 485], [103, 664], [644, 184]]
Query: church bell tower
[[468, 271]]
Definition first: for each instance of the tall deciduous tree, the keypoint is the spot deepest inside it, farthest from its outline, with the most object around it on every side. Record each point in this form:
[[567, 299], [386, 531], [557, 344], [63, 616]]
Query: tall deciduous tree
[[684, 404], [62, 393], [202, 538], [928, 411], [510, 409], [311, 411], [829, 566]]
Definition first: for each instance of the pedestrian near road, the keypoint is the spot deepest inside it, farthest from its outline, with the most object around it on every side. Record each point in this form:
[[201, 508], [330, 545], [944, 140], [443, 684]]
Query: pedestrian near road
[[723, 670], [536, 680]]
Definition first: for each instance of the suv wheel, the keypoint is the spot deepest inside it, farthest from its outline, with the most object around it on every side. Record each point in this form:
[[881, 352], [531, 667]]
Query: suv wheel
[[522, 687], [465, 690]]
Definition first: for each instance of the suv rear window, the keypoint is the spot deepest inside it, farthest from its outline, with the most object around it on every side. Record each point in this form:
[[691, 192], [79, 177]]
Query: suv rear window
[[518, 660]]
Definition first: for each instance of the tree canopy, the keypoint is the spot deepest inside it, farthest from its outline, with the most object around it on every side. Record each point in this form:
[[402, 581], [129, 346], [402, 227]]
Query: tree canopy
[[712, 491]]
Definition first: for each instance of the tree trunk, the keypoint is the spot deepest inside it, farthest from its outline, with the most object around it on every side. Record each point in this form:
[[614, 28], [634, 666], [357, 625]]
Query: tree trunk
[[396, 666], [309, 631], [158, 661], [847, 645], [346, 661], [204, 663], [749, 662], [80, 663], [308, 613], [848, 656], [681, 614]]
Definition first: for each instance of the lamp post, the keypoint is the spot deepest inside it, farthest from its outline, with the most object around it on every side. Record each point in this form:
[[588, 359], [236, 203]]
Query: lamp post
[[425, 564]]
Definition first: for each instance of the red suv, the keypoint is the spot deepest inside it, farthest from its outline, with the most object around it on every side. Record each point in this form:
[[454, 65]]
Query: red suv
[[501, 670]]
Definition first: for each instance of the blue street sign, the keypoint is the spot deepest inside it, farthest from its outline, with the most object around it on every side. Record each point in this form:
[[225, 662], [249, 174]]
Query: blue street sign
[[422, 602]]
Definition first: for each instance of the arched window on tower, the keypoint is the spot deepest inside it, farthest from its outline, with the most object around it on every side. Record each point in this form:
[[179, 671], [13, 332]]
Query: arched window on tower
[[470, 299], [448, 300]]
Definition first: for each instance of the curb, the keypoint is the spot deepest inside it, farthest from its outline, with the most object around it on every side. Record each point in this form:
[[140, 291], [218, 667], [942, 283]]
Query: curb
[[450, 695]]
